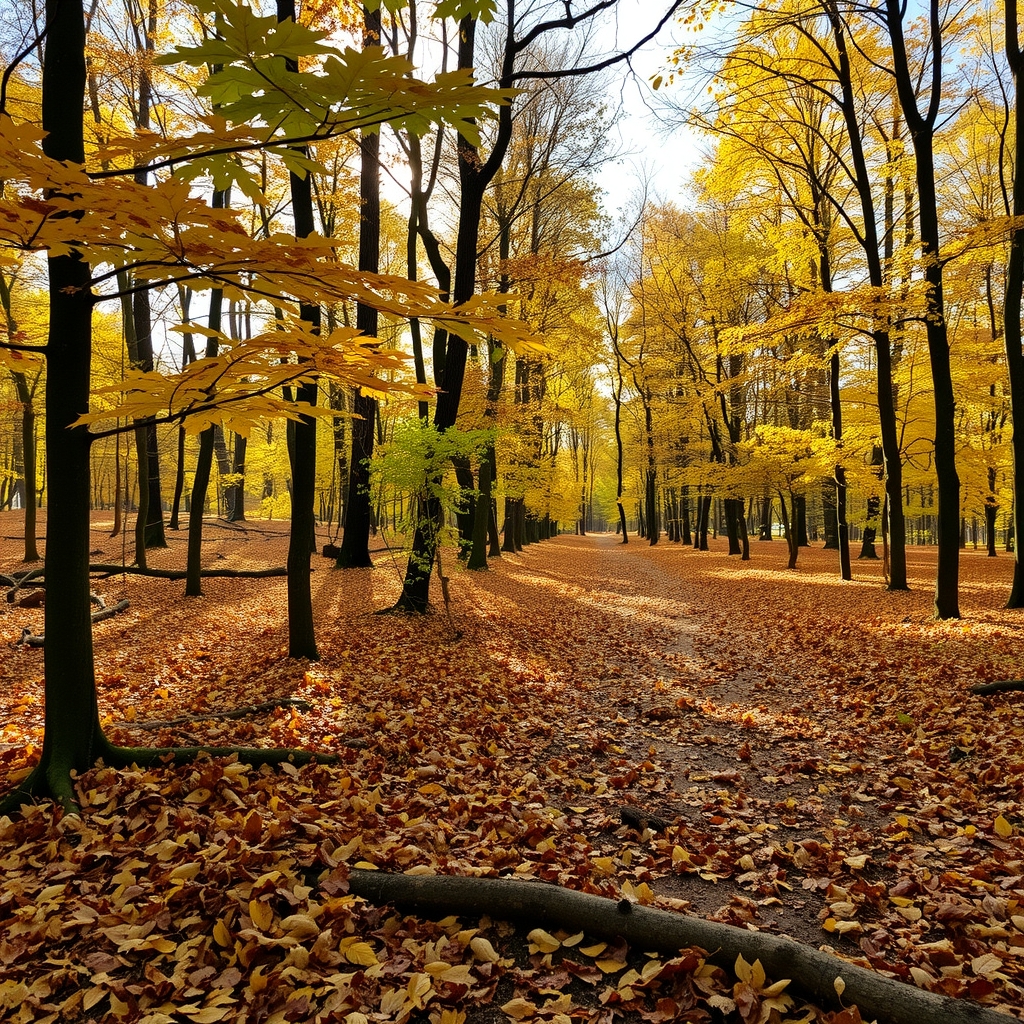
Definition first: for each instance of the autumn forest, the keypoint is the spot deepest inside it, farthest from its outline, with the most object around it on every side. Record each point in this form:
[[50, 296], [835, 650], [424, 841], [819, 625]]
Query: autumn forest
[[448, 578]]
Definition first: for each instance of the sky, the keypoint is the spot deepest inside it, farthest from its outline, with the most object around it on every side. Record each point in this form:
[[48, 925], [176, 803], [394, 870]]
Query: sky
[[652, 146]]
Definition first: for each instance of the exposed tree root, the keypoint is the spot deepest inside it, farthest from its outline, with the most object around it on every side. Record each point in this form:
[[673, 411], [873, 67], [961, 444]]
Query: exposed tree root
[[251, 709], [1000, 686], [638, 819], [52, 780], [878, 997]]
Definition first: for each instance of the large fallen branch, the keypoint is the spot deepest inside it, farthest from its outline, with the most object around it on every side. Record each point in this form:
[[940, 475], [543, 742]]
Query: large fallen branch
[[104, 611], [106, 569], [999, 686], [659, 931]]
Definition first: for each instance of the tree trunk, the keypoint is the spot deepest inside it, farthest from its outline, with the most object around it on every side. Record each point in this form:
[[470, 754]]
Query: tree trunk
[[921, 133], [301, 535], [72, 735], [355, 542]]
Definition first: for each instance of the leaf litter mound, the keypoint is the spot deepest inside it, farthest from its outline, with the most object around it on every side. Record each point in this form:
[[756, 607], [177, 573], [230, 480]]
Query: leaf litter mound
[[774, 750]]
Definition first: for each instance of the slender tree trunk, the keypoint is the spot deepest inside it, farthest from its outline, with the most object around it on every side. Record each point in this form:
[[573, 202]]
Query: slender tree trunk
[[28, 457], [204, 460], [921, 132], [301, 535], [355, 543]]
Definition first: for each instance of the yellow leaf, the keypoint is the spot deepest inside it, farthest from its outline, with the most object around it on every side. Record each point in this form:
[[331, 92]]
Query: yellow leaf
[[922, 979], [419, 985], [459, 974], [856, 863], [604, 864], [573, 940], [262, 914], [483, 950], [519, 1009], [1003, 827], [185, 872], [257, 980], [544, 941], [839, 985], [221, 935], [776, 989], [117, 1008], [610, 966], [743, 970], [360, 953], [596, 950]]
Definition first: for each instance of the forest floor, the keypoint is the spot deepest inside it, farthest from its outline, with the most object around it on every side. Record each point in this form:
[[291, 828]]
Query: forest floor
[[773, 749]]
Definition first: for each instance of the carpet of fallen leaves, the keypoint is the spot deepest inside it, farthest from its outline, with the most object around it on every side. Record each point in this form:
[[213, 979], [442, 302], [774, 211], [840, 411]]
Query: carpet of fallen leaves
[[777, 750]]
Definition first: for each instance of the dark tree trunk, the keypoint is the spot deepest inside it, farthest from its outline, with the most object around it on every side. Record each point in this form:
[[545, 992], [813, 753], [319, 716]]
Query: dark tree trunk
[[355, 544], [685, 536], [788, 527], [72, 737], [301, 535], [704, 517], [895, 527], [188, 356], [179, 481], [1012, 307], [765, 532], [234, 495], [732, 526], [28, 456], [204, 460]]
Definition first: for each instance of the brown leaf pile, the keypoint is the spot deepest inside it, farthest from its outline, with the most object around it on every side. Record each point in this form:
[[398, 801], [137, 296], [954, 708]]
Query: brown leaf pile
[[777, 750]]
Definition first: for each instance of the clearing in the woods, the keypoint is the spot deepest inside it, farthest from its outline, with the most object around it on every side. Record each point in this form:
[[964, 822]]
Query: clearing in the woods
[[775, 750]]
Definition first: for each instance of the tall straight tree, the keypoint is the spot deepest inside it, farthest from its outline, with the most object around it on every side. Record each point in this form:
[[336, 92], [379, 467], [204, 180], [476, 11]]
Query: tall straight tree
[[302, 450], [144, 26], [355, 542], [922, 132]]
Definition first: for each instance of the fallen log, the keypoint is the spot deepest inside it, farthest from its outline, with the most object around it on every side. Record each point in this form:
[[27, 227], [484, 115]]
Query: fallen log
[[107, 569], [1000, 686], [30, 639], [659, 931]]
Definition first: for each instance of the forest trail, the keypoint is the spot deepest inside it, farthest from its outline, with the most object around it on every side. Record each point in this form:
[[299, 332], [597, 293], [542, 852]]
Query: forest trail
[[805, 755]]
